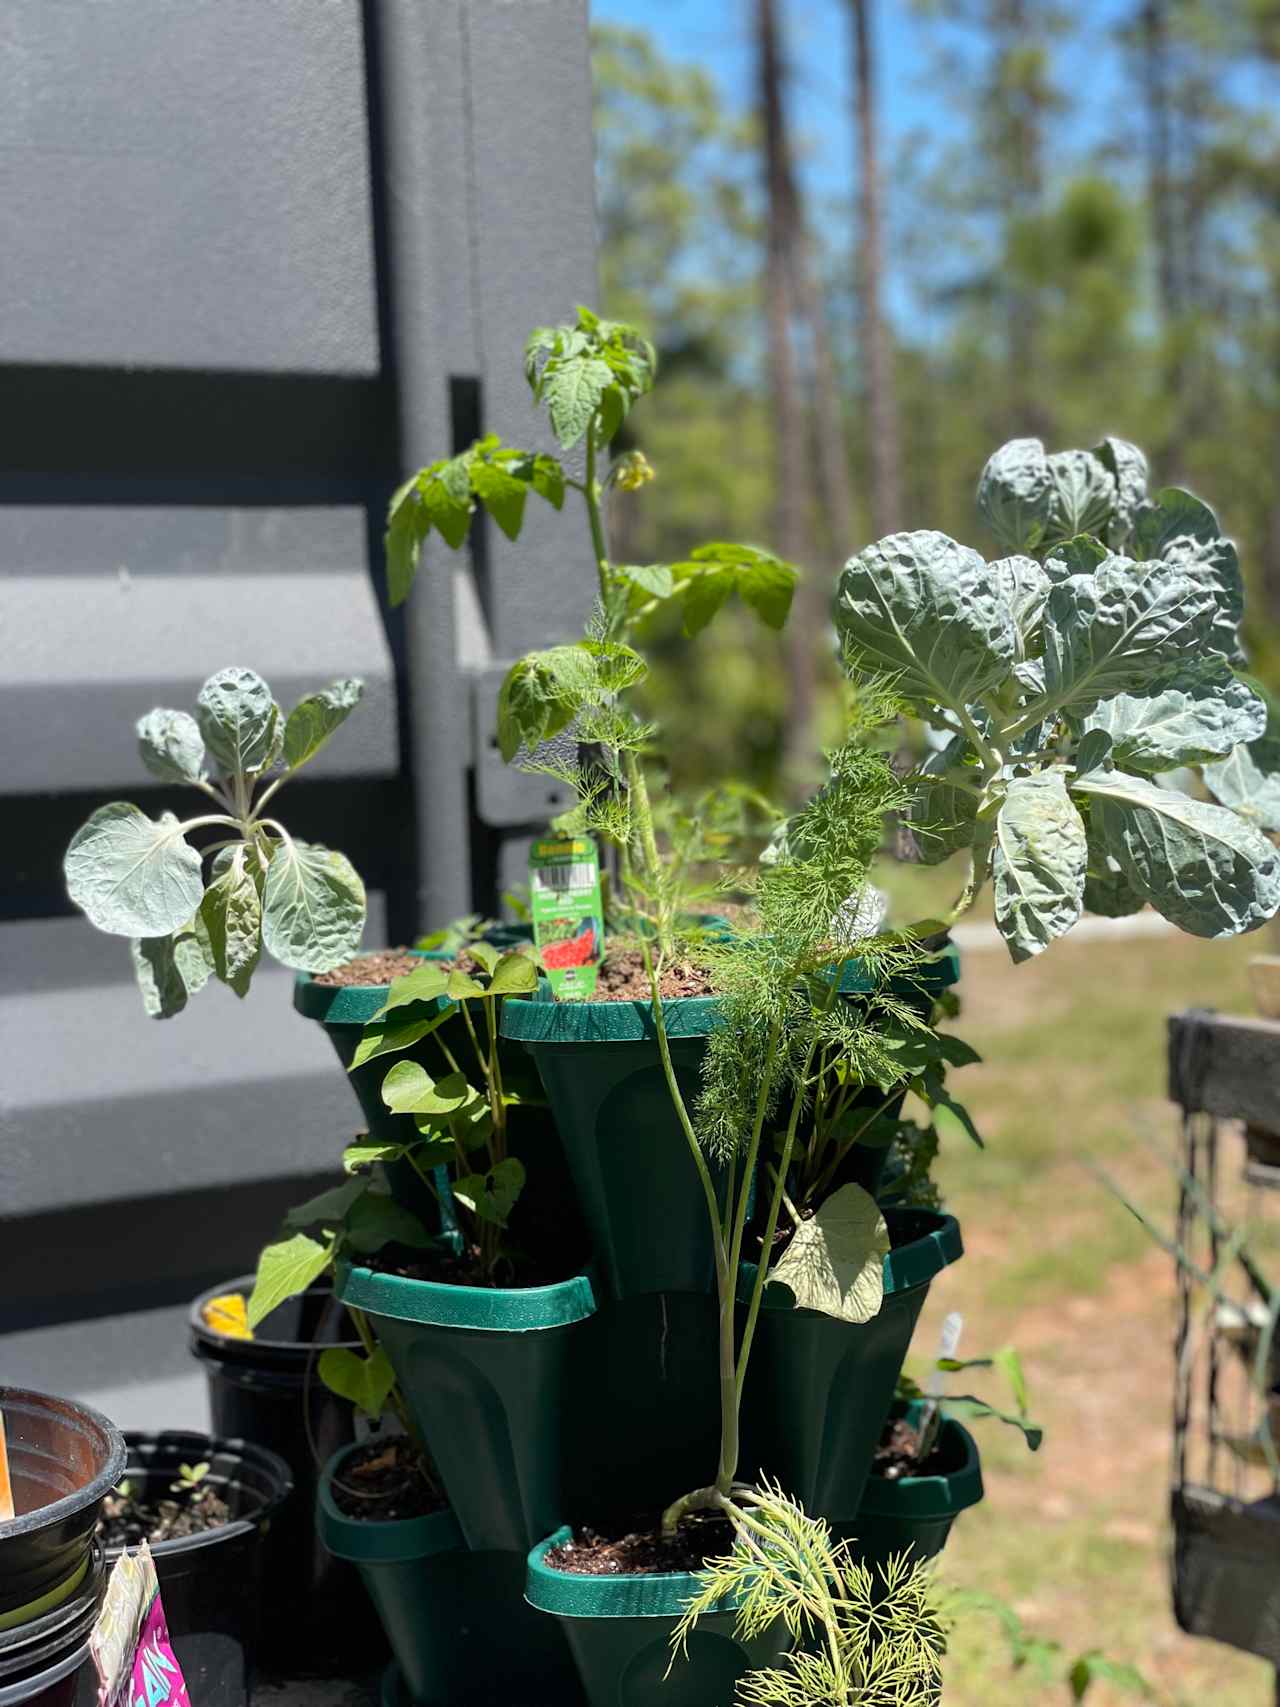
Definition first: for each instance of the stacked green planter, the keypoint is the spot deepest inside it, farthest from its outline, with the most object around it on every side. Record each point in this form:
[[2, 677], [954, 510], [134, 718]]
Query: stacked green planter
[[913, 1515], [550, 1406]]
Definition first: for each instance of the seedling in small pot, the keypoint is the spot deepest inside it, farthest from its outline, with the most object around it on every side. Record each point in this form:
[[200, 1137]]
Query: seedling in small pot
[[141, 878]]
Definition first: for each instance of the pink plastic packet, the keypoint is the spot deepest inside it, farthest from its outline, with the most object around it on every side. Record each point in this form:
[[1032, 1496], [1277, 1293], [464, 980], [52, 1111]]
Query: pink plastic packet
[[130, 1644]]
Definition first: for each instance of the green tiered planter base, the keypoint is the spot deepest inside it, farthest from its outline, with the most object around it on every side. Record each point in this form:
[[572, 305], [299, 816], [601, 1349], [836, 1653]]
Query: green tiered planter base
[[619, 1632], [458, 1624], [818, 1390]]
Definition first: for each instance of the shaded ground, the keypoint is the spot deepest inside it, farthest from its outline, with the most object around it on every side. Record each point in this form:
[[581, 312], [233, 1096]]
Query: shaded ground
[[1075, 1537]]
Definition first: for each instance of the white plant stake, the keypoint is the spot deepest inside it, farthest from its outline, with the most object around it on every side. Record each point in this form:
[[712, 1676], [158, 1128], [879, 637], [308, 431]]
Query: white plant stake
[[948, 1344]]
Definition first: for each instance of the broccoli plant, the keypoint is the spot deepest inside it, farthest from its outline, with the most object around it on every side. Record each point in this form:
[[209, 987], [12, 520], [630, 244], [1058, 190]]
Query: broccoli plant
[[1066, 690], [141, 878]]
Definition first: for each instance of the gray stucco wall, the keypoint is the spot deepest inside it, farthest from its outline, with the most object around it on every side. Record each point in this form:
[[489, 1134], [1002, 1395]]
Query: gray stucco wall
[[259, 257]]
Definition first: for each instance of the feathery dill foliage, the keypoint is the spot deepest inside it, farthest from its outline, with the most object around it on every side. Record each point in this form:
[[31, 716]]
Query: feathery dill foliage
[[778, 1012], [863, 1642]]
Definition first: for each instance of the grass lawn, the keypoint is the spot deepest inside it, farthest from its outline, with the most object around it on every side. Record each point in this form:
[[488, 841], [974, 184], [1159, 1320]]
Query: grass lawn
[[1075, 1537]]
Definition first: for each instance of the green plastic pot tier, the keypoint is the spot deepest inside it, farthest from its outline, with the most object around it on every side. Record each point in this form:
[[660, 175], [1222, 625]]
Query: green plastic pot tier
[[629, 1160], [488, 1376], [635, 1180], [914, 1514], [818, 1389], [619, 1633], [459, 1627]]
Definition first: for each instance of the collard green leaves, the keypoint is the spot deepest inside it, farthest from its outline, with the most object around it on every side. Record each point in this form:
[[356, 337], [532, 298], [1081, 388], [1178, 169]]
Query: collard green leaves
[[171, 745], [925, 613], [314, 719], [1125, 626], [1248, 781], [133, 875], [231, 913], [313, 907], [1200, 865], [141, 878], [1179, 528], [237, 718], [1039, 863], [1015, 492], [1083, 495], [1180, 725]]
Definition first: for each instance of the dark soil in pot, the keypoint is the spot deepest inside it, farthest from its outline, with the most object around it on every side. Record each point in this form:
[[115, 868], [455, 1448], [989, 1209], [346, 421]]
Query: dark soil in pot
[[899, 1452], [211, 1580], [642, 1550], [64, 1458], [267, 1390], [128, 1518], [384, 1481]]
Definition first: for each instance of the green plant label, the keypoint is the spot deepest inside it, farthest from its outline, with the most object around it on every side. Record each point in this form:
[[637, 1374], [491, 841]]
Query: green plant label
[[568, 916]]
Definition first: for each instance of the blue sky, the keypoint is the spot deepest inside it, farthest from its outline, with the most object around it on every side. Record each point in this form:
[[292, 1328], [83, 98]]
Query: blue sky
[[717, 34]]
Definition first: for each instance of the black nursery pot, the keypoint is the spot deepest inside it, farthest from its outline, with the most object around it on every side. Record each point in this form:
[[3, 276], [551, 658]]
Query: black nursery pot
[[211, 1584], [64, 1458], [44, 1660], [267, 1390]]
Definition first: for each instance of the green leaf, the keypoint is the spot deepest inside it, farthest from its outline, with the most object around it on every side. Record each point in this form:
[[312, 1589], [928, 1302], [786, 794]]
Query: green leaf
[[375, 1220], [543, 692], [1095, 1667], [835, 1261], [653, 580], [1084, 494], [1015, 492], [572, 390], [409, 1089], [1025, 587], [169, 969], [133, 875], [927, 613], [314, 719], [514, 975], [1039, 862], [232, 915], [285, 1269], [364, 1155], [1107, 891], [485, 954], [392, 1037], [426, 983], [501, 493], [326, 1208], [463, 988], [1031, 1432], [943, 814], [492, 1196], [547, 479], [313, 907], [445, 489], [1128, 467], [1178, 528], [407, 525], [950, 1118], [1078, 556], [1120, 629], [365, 1381], [712, 573], [171, 745], [1200, 865], [237, 717], [1180, 725], [1248, 781]]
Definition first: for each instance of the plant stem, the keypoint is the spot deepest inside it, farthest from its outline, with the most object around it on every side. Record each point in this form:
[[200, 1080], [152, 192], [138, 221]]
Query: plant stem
[[643, 812], [592, 492]]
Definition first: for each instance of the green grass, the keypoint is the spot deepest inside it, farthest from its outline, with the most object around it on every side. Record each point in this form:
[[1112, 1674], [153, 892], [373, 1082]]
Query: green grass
[[1074, 1537]]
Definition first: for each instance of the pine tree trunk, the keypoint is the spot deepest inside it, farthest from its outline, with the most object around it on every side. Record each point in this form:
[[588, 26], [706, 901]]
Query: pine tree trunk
[[791, 460], [877, 345]]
